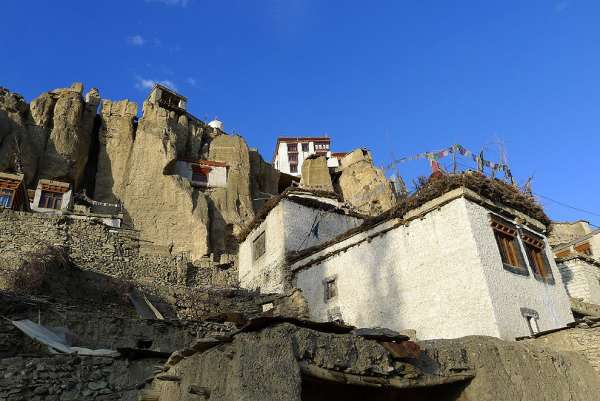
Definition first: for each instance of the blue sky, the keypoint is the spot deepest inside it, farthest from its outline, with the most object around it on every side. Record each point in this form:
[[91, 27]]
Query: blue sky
[[397, 77]]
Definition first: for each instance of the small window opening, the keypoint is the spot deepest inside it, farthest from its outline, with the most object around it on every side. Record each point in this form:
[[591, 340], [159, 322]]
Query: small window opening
[[305, 147], [293, 168], [51, 200], [259, 246], [143, 344], [331, 290], [532, 324], [6, 196]]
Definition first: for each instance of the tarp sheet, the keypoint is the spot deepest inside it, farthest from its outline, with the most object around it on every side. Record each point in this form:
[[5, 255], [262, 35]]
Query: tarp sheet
[[57, 341]]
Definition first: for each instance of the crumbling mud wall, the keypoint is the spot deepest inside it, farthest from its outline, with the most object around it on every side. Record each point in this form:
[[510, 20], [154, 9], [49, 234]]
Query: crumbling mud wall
[[514, 371], [93, 246], [287, 362], [584, 339]]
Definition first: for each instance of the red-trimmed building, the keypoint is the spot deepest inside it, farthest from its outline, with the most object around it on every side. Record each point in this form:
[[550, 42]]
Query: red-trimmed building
[[290, 152], [13, 192]]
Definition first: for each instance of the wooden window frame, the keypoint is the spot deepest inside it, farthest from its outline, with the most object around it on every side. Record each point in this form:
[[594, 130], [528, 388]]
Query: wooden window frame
[[54, 199], [295, 169], [258, 249], [535, 249], [305, 147], [584, 248], [507, 241]]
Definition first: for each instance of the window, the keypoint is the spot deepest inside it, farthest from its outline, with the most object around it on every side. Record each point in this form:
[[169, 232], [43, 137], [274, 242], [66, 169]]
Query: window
[[563, 254], [200, 174], [532, 323], [584, 248], [292, 147], [330, 285], [293, 157], [293, 168], [259, 246], [6, 196], [51, 200], [508, 245], [305, 147], [531, 318], [536, 255]]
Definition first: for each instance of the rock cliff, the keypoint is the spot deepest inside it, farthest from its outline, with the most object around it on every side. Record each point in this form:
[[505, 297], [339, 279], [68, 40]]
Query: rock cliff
[[117, 158], [364, 186]]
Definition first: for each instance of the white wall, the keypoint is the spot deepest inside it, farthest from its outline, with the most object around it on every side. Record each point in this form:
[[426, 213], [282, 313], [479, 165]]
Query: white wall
[[425, 276], [581, 279], [287, 228], [217, 176], [282, 163], [266, 273], [510, 292], [429, 276]]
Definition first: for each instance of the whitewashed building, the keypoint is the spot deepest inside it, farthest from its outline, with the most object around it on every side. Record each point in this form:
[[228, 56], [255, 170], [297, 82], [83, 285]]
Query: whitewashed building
[[296, 220], [458, 265], [52, 196], [203, 173], [577, 251], [290, 153]]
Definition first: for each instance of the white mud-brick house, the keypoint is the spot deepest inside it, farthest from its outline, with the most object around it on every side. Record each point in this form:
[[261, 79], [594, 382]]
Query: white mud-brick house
[[459, 264], [577, 251], [294, 220], [52, 196], [291, 152], [203, 173]]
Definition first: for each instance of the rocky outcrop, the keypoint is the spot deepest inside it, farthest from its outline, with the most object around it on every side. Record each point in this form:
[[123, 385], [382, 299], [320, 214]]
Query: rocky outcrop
[[55, 135], [51, 137], [118, 121], [315, 174], [165, 209], [514, 371], [364, 186], [230, 207]]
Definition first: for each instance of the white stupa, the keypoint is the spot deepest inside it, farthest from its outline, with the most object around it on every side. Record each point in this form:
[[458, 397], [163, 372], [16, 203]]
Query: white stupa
[[216, 124]]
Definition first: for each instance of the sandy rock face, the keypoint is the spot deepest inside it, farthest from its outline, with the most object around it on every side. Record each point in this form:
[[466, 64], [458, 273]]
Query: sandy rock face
[[52, 136], [116, 136], [364, 186], [163, 207], [14, 118], [315, 174], [230, 207]]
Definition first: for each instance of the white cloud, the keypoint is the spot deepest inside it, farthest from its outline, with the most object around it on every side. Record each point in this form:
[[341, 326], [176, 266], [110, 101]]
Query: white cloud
[[136, 40], [182, 3], [192, 81], [144, 84]]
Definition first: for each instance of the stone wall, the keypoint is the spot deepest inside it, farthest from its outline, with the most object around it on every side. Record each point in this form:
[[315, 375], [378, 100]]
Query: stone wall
[[115, 252], [581, 277], [72, 378]]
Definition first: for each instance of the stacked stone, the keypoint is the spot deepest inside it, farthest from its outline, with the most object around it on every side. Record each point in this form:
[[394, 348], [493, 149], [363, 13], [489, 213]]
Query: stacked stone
[[60, 378], [96, 247]]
